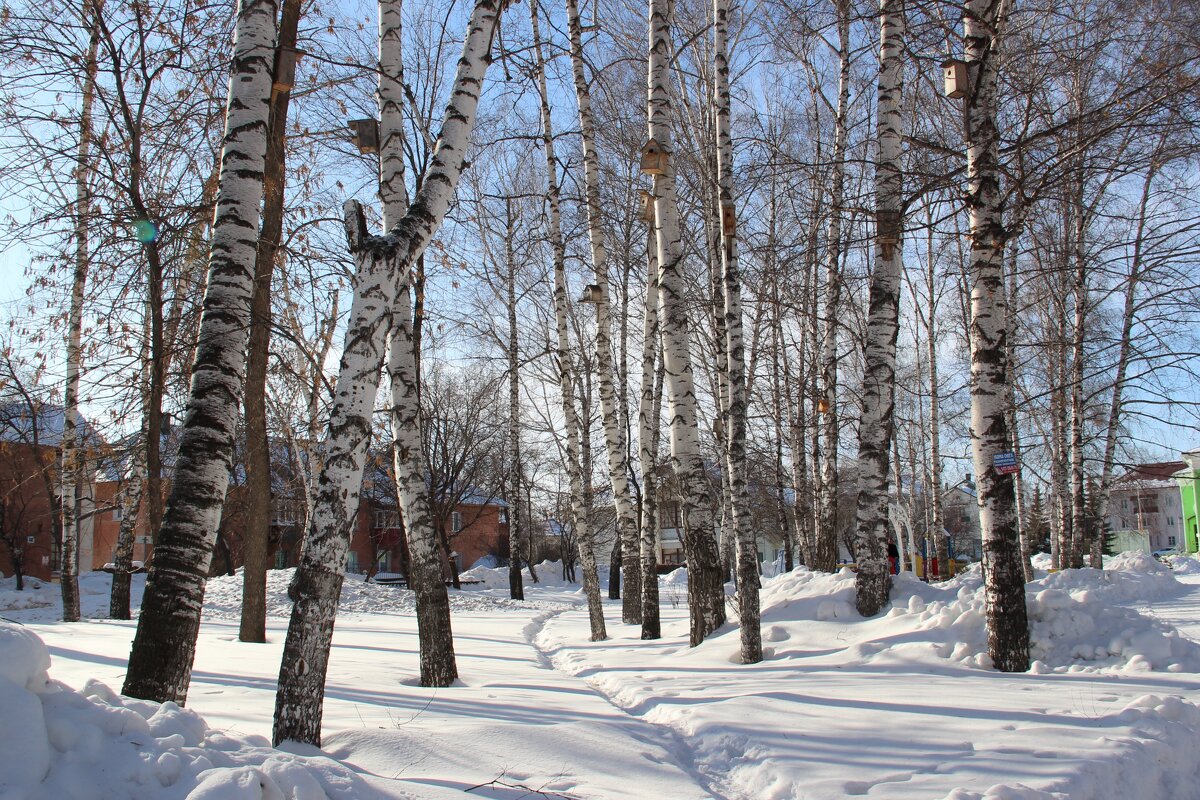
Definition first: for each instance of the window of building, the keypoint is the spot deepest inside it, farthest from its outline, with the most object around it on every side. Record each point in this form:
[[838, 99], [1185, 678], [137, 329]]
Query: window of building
[[284, 512], [1171, 541], [352, 561], [386, 518], [280, 559], [455, 522], [116, 513], [1170, 522], [383, 562], [503, 516], [668, 516]]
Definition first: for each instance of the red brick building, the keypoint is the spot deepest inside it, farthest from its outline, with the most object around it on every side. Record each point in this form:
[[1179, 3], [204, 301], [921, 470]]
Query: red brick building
[[30, 487], [475, 529], [29, 515]]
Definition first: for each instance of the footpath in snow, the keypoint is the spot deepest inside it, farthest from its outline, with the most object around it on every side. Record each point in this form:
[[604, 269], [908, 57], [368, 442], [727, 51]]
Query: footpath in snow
[[903, 705]]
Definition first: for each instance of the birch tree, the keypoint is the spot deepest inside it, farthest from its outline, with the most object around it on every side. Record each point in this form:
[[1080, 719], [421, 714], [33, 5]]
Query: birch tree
[[253, 625], [747, 549], [1007, 620], [649, 423], [516, 587], [160, 661], [825, 556], [574, 451], [876, 426], [706, 600], [382, 265], [435, 639], [72, 451], [615, 445]]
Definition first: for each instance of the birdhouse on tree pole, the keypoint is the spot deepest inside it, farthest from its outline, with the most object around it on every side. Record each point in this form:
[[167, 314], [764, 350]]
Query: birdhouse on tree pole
[[646, 206], [285, 69], [887, 231], [822, 405], [654, 158], [728, 219], [366, 135], [956, 77], [592, 293]]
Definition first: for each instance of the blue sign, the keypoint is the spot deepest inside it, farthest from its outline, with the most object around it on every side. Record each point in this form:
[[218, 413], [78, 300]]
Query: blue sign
[[1005, 463]]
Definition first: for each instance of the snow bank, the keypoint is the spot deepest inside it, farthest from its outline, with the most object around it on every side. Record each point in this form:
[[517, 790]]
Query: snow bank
[[36, 594], [94, 591], [1147, 759], [549, 576], [223, 596], [1184, 564], [58, 743], [1077, 618]]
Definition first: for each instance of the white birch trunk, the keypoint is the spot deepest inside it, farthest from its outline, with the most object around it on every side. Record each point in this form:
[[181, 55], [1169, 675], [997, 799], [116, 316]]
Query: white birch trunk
[[1128, 314], [735, 454], [131, 503], [160, 661], [875, 430], [649, 412], [827, 544], [1014, 432], [435, 639], [434, 634], [706, 599], [614, 434], [1007, 620], [1081, 529], [382, 267], [566, 381], [72, 451], [516, 587], [936, 516]]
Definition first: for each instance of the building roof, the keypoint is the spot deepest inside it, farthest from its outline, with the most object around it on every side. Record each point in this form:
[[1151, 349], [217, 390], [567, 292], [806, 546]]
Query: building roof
[[18, 425], [1156, 475]]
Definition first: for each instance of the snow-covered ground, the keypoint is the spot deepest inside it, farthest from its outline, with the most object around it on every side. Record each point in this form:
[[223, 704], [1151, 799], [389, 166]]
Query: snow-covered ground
[[903, 705]]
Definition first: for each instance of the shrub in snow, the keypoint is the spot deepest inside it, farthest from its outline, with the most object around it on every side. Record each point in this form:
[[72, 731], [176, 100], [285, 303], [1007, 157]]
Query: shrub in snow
[[58, 744]]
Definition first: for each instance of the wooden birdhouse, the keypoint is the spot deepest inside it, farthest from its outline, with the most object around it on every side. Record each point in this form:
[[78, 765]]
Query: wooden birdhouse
[[285, 68], [728, 218], [887, 230], [592, 293], [822, 405], [956, 77], [366, 135], [654, 158], [646, 206]]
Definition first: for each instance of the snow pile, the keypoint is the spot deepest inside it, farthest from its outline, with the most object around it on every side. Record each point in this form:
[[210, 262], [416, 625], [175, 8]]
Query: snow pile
[[1147, 759], [1074, 623], [1127, 578], [60, 743], [1184, 564], [36, 594], [94, 591], [803, 594], [1077, 620], [1042, 562], [223, 597], [549, 576]]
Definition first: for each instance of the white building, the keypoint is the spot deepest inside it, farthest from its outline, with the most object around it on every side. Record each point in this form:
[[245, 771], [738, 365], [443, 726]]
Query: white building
[[1146, 499]]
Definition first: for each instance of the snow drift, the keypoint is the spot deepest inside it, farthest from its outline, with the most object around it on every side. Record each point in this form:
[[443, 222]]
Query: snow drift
[[60, 744]]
